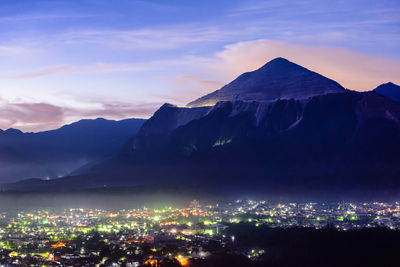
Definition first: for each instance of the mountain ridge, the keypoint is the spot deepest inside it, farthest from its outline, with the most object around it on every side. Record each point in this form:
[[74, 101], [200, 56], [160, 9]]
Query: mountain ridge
[[55, 153]]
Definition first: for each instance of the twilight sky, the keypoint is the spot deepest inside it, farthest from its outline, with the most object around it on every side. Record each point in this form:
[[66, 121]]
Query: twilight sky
[[63, 60]]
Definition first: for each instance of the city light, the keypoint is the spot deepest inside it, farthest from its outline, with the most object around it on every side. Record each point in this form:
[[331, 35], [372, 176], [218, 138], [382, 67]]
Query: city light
[[52, 236]]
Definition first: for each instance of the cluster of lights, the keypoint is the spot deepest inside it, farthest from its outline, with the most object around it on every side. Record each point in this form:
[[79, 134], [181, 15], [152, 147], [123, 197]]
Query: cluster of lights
[[53, 230]]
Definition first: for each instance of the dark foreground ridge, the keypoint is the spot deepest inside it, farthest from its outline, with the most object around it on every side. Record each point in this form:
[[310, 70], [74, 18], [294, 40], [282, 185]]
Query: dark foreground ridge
[[314, 247]]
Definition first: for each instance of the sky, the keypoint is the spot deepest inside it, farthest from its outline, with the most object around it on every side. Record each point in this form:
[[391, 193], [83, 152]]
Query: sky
[[65, 60]]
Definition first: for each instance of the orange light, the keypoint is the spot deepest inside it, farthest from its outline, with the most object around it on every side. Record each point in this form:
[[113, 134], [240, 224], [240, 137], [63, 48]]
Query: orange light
[[183, 261], [59, 245], [151, 262], [198, 213], [168, 223]]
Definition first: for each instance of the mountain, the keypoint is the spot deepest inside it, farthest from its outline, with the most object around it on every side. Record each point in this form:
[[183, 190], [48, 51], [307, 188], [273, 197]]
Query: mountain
[[15, 165], [389, 90], [278, 79], [55, 153], [338, 143], [330, 143]]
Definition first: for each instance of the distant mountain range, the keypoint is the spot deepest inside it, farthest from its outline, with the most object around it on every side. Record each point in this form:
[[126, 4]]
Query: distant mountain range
[[281, 128], [53, 154]]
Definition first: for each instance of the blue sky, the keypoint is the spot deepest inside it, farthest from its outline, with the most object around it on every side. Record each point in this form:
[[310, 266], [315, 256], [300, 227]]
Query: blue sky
[[66, 60]]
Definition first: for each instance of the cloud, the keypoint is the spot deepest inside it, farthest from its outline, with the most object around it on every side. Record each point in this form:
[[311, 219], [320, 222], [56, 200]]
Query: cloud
[[45, 72], [257, 8], [116, 110], [353, 70], [12, 50], [44, 116], [36, 17], [171, 37], [185, 87], [30, 116], [95, 68], [377, 12]]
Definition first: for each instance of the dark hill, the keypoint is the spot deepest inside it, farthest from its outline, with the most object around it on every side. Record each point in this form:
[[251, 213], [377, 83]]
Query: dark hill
[[389, 90], [57, 152]]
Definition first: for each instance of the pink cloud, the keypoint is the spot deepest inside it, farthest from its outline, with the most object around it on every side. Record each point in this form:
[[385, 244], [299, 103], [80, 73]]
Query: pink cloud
[[43, 116], [116, 110], [30, 116]]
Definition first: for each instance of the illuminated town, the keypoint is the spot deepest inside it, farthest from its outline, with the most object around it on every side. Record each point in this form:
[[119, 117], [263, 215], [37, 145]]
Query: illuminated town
[[177, 236]]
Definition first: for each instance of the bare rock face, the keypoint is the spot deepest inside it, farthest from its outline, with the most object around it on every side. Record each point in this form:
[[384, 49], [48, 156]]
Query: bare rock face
[[278, 79]]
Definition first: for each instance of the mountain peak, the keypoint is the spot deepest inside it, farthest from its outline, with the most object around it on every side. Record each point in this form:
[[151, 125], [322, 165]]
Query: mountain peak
[[277, 79], [168, 105], [282, 65], [389, 84], [279, 61], [12, 131], [389, 90]]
